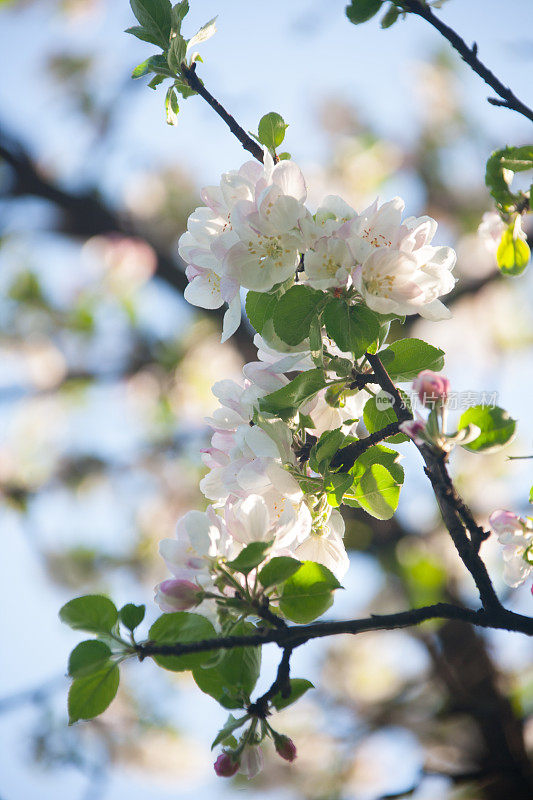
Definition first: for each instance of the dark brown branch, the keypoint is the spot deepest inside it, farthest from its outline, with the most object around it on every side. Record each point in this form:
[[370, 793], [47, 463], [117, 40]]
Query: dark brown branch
[[189, 73], [456, 515], [345, 458], [296, 635], [469, 55], [281, 684]]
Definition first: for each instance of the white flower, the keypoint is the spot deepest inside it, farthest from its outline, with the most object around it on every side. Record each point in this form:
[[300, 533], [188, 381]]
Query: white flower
[[395, 282], [376, 227], [325, 546], [270, 242], [328, 265], [201, 537]]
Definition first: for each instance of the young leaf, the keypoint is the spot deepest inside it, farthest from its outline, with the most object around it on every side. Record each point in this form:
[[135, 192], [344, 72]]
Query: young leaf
[[171, 107], [513, 254], [206, 32], [143, 34], [308, 593], [92, 612], [404, 359], [131, 615], [294, 312], [496, 426], [271, 130], [250, 558], [278, 570], [230, 725], [91, 695], [154, 16], [299, 686], [181, 628], [336, 486], [297, 392], [362, 10], [178, 14], [87, 657], [323, 451]]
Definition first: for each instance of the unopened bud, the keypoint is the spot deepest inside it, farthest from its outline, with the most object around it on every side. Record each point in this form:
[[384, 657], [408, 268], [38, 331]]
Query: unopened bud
[[506, 525], [177, 594], [431, 387], [285, 748], [415, 429], [225, 766], [251, 761]]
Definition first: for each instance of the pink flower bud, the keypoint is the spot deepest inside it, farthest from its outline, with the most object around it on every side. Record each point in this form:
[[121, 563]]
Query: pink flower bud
[[225, 766], [285, 748], [177, 595], [414, 428], [431, 387]]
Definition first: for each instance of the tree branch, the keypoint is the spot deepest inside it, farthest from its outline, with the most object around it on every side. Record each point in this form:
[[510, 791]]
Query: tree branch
[[281, 684], [469, 55], [296, 635]]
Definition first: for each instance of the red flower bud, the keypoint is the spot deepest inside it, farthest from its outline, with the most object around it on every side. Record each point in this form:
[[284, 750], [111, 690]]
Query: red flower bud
[[285, 748], [225, 766], [431, 387]]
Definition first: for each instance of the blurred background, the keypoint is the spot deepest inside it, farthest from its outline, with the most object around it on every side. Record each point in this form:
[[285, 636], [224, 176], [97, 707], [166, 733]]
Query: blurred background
[[105, 376]]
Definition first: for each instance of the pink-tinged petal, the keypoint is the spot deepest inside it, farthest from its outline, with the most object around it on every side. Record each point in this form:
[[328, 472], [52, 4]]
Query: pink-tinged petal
[[229, 288], [212, 196]]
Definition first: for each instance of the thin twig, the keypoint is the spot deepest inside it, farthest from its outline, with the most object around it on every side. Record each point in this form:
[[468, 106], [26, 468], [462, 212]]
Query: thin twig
[[195, 83], [469, 55]]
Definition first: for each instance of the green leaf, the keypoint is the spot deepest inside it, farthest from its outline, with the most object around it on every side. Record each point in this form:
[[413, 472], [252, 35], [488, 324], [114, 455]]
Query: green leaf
[[353, 328], [211, 682], [154, 16], [260, 308], [379, 454], [230, 725], [250, 557], [143, 34], [390, 17], [378, 492], [294, 312], [87, 657], [299, 686], [91, 695], [497, 428], [297, 392], [240, 667], [278, 570], [92, 612], [323, 451], [308, 593], [181, 628], [378, 413], [271, 130], [336, 486], [131, 615], [362, 10], [404, 359], [157, 64], [513, 254]]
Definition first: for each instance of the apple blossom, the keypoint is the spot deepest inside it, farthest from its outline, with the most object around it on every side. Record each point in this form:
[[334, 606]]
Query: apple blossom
[[177, 595], [251, 761], [285, 747]]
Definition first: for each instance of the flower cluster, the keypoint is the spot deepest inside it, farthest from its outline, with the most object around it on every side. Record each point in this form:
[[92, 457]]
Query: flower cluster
[[255, 232]]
